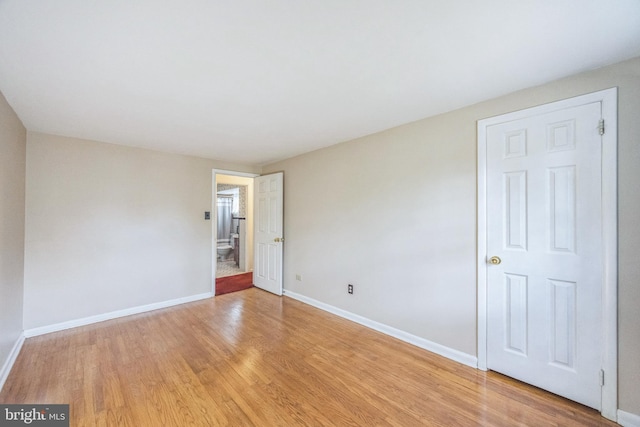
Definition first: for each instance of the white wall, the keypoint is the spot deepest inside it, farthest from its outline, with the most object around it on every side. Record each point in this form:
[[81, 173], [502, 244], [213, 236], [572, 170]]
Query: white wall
[[395, 214], [110, 228], [12, 187]]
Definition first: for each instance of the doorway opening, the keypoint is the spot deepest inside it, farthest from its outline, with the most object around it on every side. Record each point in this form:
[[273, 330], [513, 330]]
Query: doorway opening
[[232, 231]]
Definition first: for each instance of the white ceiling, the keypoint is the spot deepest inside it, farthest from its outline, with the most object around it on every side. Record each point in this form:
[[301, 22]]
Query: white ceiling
[[254, 81]]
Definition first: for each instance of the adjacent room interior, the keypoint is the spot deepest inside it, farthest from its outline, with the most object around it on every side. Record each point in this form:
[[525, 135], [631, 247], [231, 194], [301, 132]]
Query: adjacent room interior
[[135, 142], [233, 233]]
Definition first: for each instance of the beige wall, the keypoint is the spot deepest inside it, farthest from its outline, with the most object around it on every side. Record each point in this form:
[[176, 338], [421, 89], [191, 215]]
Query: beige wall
[[395, 214], [111, 227], [12, 176]]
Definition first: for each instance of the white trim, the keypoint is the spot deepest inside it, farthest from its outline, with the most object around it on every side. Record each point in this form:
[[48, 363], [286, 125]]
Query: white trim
[[628, 419], [481, 250], [449, 353], [610, 252], [235, 173], [11, 359], [213, 216], [113, 315], [609, 100]]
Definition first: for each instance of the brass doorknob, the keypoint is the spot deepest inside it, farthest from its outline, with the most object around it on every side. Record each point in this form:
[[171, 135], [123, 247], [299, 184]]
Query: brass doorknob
[[495, 260], [278, 239]]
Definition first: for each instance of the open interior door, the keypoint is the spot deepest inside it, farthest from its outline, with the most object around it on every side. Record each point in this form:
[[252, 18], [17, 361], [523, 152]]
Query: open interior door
[[268, 236]]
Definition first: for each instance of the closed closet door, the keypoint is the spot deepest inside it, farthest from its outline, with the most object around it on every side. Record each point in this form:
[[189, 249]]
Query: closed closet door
[[544, 248]]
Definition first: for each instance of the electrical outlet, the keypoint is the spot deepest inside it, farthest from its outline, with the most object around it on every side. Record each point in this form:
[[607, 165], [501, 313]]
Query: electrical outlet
[[299, 277], [350, 288]]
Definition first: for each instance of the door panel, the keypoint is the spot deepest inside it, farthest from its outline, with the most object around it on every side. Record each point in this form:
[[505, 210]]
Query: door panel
[[268, 194], [516, 313], [516, 210], [544, 222]]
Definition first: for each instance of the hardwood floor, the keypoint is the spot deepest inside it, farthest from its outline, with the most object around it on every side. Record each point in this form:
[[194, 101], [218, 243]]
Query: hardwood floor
[[251, 358]]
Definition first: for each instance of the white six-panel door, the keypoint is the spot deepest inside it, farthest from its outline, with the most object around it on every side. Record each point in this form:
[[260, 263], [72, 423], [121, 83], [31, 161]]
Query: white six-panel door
[[544, 237], [268, 238]]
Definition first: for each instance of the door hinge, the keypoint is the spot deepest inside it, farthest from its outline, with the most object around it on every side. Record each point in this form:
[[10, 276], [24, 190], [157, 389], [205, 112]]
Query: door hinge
[[601, 126], [601, 378]]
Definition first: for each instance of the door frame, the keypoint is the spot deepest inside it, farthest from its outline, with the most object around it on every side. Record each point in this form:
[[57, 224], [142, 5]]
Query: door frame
[[214, 217], [609, 100]]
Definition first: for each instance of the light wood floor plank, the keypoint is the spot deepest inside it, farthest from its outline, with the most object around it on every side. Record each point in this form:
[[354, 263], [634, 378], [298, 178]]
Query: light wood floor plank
[[253, 359]]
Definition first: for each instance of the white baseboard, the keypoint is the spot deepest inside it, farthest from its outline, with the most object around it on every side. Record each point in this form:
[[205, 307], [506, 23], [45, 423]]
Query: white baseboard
[[449, 353], [628, 419], [11, 359], [113, 315]]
